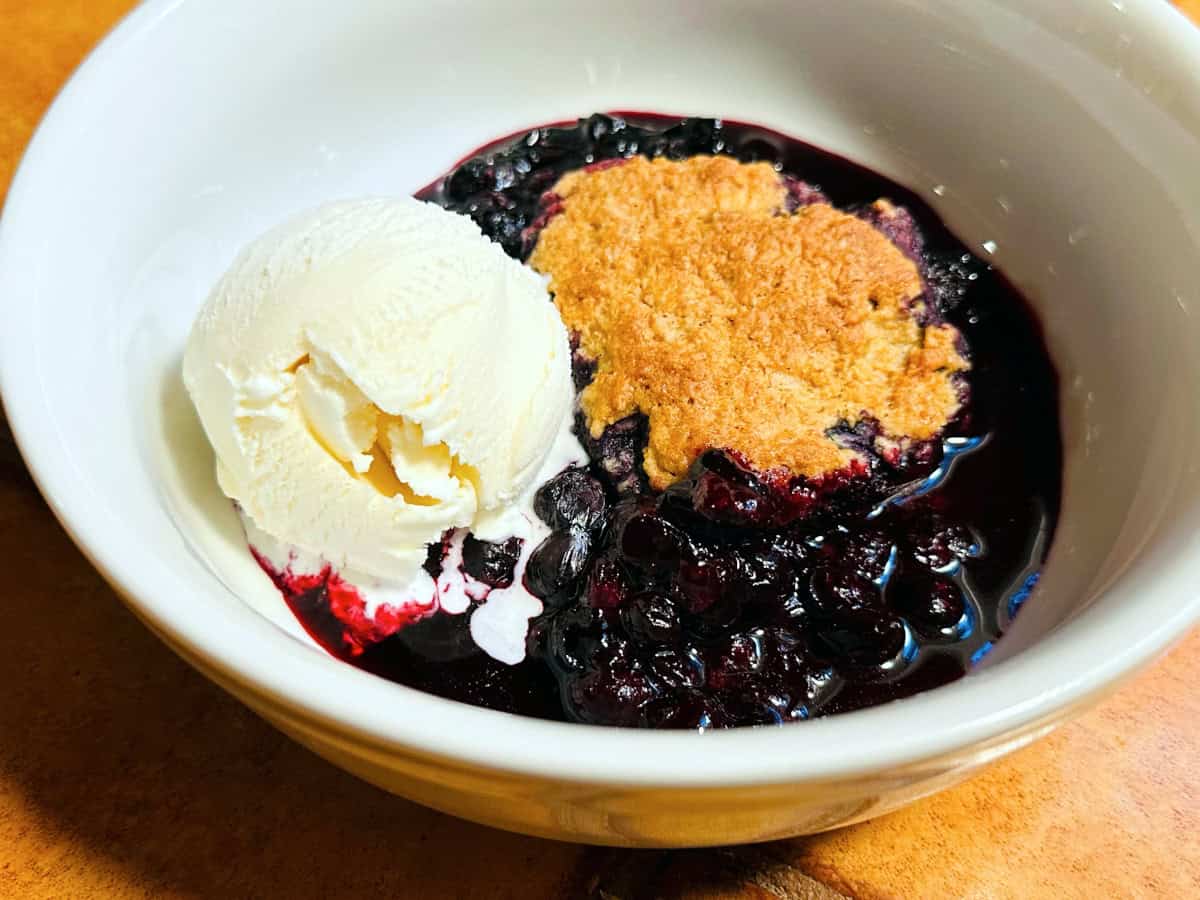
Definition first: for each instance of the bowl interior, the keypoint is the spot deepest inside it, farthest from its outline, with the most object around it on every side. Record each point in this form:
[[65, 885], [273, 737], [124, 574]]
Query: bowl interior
[[1059, 142]]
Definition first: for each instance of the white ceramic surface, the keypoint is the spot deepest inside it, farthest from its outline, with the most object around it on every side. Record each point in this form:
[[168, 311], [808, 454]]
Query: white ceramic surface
[[1064, 137]]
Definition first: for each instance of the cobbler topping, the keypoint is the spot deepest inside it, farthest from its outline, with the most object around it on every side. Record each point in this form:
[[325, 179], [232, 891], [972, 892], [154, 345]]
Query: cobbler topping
[[731, 323]]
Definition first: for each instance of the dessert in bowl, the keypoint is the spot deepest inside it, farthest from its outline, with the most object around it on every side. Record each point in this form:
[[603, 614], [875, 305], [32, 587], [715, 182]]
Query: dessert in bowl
[[788, 486], [1113, 590]]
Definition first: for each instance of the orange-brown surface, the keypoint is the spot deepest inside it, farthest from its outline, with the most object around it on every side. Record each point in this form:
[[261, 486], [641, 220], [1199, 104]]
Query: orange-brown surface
[[124, 774], [732, 326]]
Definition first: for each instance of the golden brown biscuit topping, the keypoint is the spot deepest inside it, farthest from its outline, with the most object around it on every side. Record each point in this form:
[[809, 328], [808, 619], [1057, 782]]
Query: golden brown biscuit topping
[[730, 325]]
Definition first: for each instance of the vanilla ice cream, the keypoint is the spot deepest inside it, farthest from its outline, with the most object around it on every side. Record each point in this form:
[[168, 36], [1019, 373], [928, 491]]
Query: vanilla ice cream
[[373, 373]]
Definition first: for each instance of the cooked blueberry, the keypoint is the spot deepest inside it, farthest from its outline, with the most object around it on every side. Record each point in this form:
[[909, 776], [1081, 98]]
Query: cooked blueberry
[[860, 435], [571, 499], [610, 695], [693, 137], [758, 150], [726, 491], [934, 605], [556, 564], [491, 563], [655, 145], [898, 225], [499, 218], [768, 576], [502, 175], [652, 617], [938, 545], [575, 635], [434, 554], [598, 127], [650, 542], [868, 553], [914, 461], [707, 580], [801, 193], [686, 708], [673, 668], [858, 638], [736, 660], [837, 590], [607, 585], [469, 178], [583, 367], [618, 452]]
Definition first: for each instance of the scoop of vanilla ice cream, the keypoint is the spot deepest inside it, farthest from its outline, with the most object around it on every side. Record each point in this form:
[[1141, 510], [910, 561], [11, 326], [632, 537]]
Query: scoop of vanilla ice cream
[[374, 372]]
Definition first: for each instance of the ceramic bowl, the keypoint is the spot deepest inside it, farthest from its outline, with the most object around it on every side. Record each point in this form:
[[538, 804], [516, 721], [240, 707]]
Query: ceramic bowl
[[1059, 139]]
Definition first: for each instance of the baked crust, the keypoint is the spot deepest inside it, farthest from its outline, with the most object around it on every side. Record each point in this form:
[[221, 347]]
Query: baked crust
[[730, 323]]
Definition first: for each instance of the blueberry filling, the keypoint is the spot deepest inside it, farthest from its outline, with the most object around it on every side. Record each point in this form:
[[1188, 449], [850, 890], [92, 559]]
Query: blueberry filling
[[734, 597]]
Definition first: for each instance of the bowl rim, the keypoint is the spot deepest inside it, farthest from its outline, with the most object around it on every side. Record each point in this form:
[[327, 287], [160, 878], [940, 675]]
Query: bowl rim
[[1085, 660]]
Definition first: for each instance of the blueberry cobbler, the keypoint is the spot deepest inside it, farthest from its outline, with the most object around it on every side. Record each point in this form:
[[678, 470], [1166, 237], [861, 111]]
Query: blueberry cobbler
[[804, 456]]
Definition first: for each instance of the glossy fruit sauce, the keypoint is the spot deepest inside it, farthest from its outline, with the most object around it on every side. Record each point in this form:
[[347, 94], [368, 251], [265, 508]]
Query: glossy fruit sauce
[[727, 599]]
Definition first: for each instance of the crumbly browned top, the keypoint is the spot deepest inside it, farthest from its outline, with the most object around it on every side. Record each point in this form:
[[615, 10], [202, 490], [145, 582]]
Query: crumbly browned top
[[730, 325]]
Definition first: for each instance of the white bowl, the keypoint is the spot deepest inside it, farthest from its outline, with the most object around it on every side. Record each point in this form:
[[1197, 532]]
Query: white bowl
[[1064, 137]]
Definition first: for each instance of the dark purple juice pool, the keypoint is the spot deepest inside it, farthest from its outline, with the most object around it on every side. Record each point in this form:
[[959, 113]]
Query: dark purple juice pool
[[671, 609]]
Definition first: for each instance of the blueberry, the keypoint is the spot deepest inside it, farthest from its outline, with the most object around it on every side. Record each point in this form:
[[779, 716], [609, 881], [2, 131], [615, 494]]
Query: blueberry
[[571, 499], [736, 660], [695, 137], [491, 563], [649, 542], [801, 193], [435, 553], [860, 436], [607, 585], [500, 219], [769, 573], [673, 668], [938, 545], [934, 605], [610, 695], [914, 461], [836, 590], [858, 639], [502, 175], [758, 150], [583, 367], [686, 708], [651, 617], [598, 126], [556, 564], [655, 145], [706, 581], [898, 226], [724, 490], [868, 553], [469, 178], [574, 636], [618, 452], [816, 687]]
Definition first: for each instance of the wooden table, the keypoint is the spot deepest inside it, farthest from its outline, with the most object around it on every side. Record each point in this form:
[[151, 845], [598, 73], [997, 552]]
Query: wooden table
[[123, 773]]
